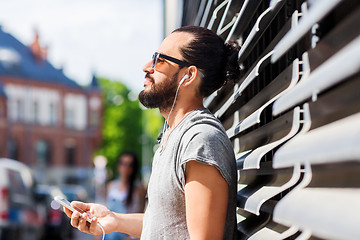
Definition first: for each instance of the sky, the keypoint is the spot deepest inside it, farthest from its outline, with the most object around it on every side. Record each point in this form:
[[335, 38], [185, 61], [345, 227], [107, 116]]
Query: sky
[[110, 38]]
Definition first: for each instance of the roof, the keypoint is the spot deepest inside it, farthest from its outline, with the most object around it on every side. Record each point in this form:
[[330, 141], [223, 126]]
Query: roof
[[17, 60], [2, 91], [94, 85]]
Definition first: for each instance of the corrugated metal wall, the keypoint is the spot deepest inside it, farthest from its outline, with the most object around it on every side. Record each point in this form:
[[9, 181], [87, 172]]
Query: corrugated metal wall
[[293, 116]]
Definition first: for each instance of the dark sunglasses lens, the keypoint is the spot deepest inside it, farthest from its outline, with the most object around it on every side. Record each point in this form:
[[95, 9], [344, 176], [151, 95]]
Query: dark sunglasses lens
[[126, 164], [154, 60]]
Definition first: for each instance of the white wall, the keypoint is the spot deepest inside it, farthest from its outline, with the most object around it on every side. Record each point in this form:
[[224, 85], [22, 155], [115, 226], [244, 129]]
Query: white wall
[[74, 103], [27, 96], [77, 105]]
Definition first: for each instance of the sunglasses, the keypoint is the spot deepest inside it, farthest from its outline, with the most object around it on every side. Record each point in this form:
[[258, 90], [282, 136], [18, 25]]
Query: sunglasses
[[124, 164], [156, 56]]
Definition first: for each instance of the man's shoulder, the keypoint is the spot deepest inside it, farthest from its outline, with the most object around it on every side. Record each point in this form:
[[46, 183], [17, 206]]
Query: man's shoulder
[[203, 119]]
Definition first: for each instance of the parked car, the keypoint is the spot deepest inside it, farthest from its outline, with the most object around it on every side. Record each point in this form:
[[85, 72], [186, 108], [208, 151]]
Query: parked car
[[21, 216], [57, 225]]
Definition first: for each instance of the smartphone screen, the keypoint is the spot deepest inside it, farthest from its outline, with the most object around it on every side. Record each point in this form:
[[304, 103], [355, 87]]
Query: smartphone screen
[[67, 204]]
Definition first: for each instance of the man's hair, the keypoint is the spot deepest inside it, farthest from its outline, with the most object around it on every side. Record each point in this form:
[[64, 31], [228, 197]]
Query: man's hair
[[214, 58]]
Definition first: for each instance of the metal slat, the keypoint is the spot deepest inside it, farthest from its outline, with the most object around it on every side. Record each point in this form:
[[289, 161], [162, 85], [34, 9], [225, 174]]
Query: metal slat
[[249, 78], [336, 104], [251, 224], [214, 16], [317, 11], [338, 141], [267, 233], [336, 39], [253, 159], [200, 13], [209, 101], [253, 109], [206, 13], [341, 65], [268, 133], [221, 28], [266, 192], [323, 203], [261, 24], [244, 16], [256, 68], [221, 96], [335, 175], [330, 213], [230, 18], [329, 192]]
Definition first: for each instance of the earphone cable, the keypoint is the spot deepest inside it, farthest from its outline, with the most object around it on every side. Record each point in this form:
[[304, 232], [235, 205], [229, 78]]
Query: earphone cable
[[103, 236], [172, 107]]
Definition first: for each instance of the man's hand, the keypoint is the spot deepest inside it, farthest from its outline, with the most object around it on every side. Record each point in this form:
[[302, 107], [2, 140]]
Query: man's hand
[[99, 213], [111, 222]]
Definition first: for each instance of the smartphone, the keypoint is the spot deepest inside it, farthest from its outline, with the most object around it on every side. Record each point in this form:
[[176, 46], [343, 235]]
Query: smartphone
[[66, 204]]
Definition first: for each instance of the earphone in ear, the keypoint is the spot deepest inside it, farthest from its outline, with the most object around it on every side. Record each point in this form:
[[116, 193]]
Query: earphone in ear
[[183, 79]]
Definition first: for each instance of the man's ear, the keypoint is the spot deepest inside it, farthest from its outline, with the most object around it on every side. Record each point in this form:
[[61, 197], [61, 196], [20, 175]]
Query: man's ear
[[193, 74]]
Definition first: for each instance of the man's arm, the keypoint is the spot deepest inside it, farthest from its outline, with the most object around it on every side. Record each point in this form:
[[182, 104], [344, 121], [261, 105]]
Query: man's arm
[[111, 222], [206, 195]]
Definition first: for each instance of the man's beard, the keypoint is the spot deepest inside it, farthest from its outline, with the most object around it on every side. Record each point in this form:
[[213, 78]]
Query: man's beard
[[160, 95]]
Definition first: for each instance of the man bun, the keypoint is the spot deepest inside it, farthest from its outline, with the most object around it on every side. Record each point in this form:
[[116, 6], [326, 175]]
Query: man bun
[[232, 68]]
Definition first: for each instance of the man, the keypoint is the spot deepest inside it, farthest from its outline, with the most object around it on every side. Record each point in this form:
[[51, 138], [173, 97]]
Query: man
[[192, 189]]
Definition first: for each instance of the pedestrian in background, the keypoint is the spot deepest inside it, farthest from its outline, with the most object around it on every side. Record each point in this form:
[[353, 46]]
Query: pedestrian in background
[[126, 194]]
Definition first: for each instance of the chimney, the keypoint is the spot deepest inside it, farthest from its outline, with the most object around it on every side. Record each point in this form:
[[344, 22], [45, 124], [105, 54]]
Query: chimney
[[40, 53]]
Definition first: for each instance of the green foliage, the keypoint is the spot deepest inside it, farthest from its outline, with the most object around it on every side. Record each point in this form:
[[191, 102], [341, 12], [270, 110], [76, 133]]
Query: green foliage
[[123, 126], [152, 122]]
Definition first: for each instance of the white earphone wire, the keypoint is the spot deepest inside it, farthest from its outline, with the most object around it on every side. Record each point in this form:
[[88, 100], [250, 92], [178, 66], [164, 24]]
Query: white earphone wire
[[102, 229], [172, 107]]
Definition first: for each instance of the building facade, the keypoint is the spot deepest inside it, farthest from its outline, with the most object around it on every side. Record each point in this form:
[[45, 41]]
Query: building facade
[[47, 120]]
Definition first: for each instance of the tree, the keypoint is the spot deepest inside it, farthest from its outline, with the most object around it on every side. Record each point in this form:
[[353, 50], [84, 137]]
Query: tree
[[124, 127]]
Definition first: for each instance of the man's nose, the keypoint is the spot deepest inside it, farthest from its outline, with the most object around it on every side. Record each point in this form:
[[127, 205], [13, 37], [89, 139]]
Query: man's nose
[[148, 67]]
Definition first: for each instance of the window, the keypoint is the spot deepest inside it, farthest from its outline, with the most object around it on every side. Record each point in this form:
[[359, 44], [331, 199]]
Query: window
[[42, 153], [36, 113], [18, 187], [12, 149], [94, 118], [53, 114], [70, 118], [70, 155], [19, 110], [2, 110]]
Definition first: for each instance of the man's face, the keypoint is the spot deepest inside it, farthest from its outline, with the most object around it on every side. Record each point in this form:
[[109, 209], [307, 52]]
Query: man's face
[[161, 84], [161, 95]]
